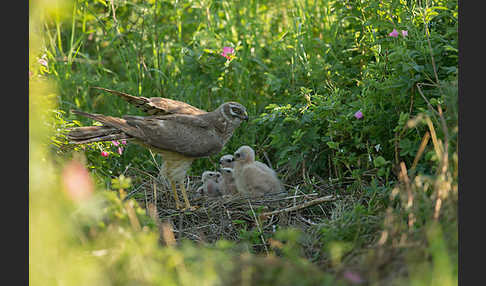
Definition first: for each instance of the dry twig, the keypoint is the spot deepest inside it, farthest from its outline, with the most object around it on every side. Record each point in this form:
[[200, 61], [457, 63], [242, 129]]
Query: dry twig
[[301, 206]]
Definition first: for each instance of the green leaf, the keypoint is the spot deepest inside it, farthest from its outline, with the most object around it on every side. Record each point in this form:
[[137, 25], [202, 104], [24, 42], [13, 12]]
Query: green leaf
[[379, 162], [121, 182], [333, 145]]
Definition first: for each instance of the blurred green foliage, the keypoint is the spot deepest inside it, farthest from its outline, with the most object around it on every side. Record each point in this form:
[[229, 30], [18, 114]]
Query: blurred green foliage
[[302, 69]]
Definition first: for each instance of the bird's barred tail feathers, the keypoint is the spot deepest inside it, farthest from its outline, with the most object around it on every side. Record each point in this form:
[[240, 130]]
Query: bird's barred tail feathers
[[88, 134]]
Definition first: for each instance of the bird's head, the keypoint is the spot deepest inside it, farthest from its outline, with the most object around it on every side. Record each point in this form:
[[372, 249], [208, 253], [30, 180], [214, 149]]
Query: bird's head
[[227, 161], [226, 172], [211, 176], [244, 154], [234, 112]]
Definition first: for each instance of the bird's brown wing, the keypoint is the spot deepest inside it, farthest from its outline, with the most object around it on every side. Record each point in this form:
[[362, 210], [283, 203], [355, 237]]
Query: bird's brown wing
[[157, 105], [186, 135]]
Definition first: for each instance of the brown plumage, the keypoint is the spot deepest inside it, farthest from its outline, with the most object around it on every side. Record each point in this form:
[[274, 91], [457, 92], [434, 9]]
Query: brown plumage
[[252, 177], [178, 138], [156, 105]]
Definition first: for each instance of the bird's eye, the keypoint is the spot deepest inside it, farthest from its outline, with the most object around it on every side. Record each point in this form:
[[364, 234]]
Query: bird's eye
[[237, 155]]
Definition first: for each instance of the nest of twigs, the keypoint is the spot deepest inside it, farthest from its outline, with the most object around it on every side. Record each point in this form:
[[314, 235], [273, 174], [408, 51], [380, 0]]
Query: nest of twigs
[[225, 217]]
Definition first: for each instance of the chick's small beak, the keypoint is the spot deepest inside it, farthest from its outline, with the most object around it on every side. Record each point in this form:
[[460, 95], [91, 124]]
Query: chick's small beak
[[245, 116]]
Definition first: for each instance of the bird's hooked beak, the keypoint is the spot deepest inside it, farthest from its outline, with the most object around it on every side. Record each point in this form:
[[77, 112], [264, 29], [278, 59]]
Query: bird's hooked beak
[[245, 116]]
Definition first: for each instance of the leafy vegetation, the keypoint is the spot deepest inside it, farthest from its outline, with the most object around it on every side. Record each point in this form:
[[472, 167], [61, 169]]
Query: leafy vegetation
[[337, 100]]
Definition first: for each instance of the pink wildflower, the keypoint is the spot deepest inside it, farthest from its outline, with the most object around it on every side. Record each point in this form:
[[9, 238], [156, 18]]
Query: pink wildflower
[[227, 52], [124, 142], [43, 60], [404, 33], [116, 143], [358, 114], [120, 150], [353, 277], [394, 33], [77, 181], [104, 154]]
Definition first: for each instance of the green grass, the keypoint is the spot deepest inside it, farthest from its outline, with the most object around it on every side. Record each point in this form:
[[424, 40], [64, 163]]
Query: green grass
[[302, 69]]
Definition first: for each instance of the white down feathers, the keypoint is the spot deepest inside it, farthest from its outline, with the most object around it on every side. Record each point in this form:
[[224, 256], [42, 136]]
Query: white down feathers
[[253, 178]]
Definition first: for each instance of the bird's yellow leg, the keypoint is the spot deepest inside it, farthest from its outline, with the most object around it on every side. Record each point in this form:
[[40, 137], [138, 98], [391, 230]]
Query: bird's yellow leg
[[184, 195], [176, 197]]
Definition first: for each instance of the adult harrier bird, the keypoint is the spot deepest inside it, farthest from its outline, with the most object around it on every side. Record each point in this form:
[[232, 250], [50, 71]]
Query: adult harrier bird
[[179, 132]]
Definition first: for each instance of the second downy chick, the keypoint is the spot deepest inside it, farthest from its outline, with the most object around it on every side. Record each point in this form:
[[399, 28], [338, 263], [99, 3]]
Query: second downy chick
[[228, 181], [211, 184], [227, 161]]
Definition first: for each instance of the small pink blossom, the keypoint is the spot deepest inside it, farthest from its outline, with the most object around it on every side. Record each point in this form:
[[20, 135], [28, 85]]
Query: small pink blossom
[[358, 114], [120, 150], [124, 142], [77, 181], [394, 33], [404, 33], [104, 154], [353, 277], [43, 62], [116, 143], [227, 52]]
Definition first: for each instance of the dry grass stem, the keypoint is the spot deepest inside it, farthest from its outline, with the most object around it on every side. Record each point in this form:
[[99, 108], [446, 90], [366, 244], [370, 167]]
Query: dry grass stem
[[259, 228], [301, 206], [421, 149], [130, 211]]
